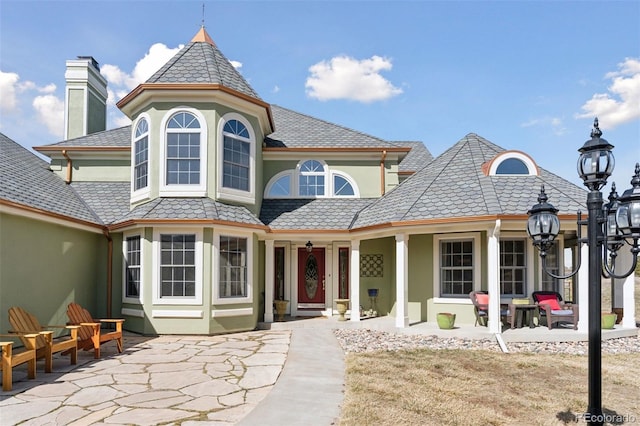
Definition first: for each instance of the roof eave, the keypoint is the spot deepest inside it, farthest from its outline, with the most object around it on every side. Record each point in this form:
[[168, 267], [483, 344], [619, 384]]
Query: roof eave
[[134, 99]]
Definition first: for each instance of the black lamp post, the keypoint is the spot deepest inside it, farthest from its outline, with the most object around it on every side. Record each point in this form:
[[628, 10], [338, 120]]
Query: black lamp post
[[608, 228]]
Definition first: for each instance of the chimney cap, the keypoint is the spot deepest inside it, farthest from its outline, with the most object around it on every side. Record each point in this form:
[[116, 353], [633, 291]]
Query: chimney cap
[[93, 61]]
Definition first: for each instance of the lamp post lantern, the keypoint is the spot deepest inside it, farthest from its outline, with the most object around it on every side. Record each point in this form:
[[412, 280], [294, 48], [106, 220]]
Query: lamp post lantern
[[608, 230]]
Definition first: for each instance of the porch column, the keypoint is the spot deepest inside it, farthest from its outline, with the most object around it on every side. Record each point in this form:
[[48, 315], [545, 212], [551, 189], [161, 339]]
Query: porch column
[[268, 280], [583, 290], [623, 264], [402, 280], [354, 280], [493, 277]]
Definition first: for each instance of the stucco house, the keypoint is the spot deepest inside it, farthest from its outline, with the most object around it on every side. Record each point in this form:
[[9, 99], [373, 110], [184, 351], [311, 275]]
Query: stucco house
[[213, 203]]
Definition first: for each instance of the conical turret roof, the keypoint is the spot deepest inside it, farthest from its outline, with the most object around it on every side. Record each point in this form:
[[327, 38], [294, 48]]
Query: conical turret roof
[[201, 61]]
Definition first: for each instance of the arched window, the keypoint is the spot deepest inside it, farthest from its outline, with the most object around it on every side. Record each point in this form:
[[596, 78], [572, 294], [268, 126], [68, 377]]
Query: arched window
[[236, 156], [183, 150], [280, 185], [342, 187], [311, 179], [512, 166], [511, 163], [141, 155]]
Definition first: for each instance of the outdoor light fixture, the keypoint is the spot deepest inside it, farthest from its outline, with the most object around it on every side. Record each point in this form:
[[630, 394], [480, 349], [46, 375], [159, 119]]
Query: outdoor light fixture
[[609, 228], [309, 246]]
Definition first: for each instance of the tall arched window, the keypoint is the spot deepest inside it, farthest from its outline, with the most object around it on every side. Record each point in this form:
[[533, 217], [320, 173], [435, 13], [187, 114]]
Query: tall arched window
[[141, 155], [183, 150], [236, 156]]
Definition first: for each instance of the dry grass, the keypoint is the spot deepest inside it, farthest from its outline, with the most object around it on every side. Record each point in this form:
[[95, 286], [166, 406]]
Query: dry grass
[[458, 387]]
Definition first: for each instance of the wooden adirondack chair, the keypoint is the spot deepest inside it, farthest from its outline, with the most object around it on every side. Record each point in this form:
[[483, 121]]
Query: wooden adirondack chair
[[25, 323], [91, 336], [10, 359]]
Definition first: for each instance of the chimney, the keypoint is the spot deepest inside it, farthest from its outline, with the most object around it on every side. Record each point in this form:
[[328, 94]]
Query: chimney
[[85, 98]]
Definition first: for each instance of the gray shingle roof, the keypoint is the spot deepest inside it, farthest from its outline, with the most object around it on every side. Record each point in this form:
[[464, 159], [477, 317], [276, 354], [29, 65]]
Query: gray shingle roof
[[120, 137], [27, 180], [109, 200], [312, 214], [190, 208], [416, 159], [454, 185], [296, 130], [202, 62]]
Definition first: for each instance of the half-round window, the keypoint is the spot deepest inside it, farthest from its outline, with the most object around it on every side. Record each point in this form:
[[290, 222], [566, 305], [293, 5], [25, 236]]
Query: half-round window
[[512, 166], [512, 163]]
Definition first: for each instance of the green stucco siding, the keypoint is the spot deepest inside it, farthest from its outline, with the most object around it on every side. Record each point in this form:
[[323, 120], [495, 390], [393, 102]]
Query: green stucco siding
[[97, 114], [386, 283], [420, 275], [76, 109], [44, 267]]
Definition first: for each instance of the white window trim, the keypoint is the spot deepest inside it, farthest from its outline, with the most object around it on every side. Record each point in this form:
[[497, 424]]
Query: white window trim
[[298, 173], [216, 299], [142, 193], [528, 161], [197, 299], [477, 267], [527, 249], [332, 174], [125, 299], [230, 193], [183, 190], [274, 179]]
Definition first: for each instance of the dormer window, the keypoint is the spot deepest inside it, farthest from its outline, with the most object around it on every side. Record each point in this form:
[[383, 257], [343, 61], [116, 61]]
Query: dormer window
[[311, 179], [141, 155], [512, 163]]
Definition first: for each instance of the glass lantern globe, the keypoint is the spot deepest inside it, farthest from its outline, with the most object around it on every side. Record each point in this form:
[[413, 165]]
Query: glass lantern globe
[[596, 161], [543, 224]]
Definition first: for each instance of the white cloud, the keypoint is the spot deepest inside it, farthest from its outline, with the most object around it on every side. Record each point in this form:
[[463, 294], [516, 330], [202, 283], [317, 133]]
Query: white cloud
[[344, 77], [621, 103], [122, 82], [237, 65], [50, 112], [8, 88], [275, 89], [556, 124]]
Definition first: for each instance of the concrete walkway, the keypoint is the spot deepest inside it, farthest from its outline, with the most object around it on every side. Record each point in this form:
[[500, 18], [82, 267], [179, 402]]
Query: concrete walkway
[[182, 379]]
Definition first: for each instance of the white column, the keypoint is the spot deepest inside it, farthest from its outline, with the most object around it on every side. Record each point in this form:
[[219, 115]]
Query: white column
[[583, 290], [493, 277], [268, 280], [354, 280], [402, 280], [623, 264]]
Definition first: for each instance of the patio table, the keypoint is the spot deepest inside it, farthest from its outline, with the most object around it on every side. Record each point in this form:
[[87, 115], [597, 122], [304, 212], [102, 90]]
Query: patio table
[[522, 311]]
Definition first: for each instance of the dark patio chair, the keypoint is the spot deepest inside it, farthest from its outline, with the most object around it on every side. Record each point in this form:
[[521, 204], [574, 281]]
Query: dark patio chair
[[554, 310]]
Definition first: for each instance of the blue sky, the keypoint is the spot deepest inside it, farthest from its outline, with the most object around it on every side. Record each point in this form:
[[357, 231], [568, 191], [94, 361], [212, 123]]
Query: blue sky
[[529, 76]]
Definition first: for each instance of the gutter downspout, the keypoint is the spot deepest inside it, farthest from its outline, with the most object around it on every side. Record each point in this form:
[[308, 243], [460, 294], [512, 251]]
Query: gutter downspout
[[69, 166], [109, 270], [382, 180]]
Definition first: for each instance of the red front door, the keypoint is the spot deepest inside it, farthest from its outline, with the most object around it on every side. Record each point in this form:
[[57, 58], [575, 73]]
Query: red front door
[[311, 283]]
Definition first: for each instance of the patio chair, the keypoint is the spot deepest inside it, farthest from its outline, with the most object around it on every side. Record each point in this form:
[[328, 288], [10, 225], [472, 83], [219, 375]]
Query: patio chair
[[553, 310], [480, 300], [25, 323], [11, 358], [91, 335]]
